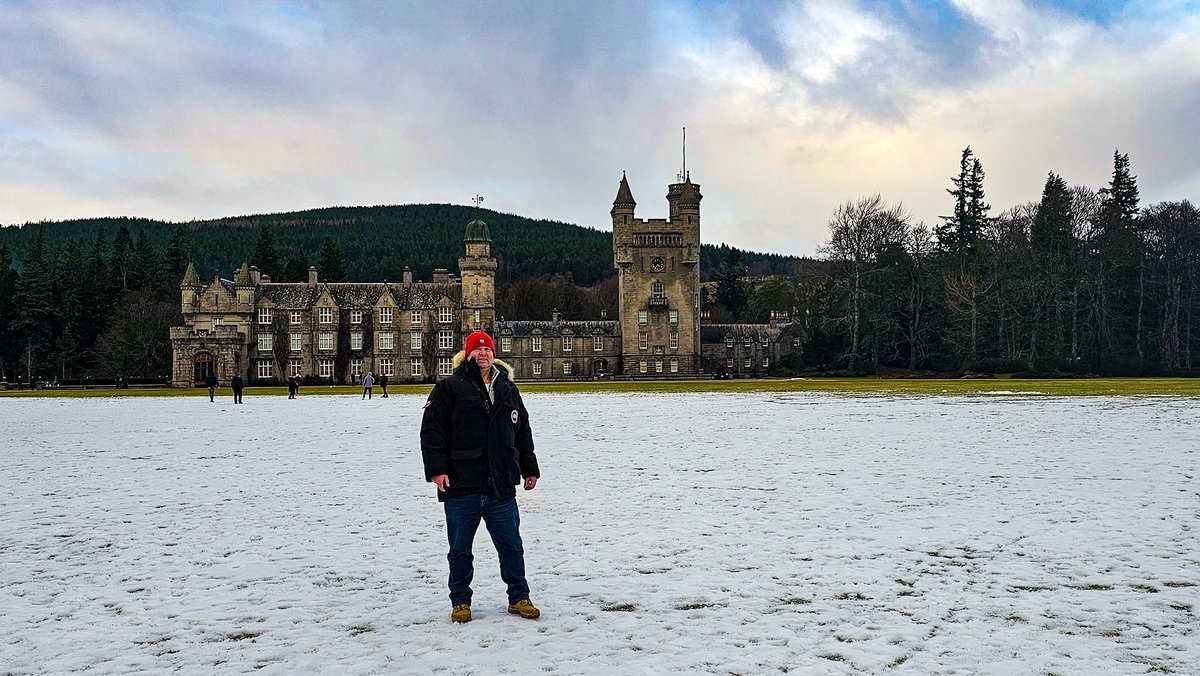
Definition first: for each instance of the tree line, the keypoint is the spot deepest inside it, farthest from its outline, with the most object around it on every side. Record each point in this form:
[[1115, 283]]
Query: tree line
[[1080, 281]]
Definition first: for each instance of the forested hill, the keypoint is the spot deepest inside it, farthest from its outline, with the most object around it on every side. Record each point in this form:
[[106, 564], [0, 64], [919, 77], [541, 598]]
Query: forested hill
[[377, 242]]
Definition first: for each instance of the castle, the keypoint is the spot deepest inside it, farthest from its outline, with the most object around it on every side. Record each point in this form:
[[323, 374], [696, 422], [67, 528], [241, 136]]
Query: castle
[[410, 330]]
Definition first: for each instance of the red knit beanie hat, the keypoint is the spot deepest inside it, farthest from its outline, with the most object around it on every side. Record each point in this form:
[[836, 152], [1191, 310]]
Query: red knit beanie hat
[[479, 339]]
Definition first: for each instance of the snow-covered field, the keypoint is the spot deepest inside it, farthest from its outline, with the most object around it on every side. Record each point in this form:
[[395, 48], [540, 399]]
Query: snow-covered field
[[670, 533]]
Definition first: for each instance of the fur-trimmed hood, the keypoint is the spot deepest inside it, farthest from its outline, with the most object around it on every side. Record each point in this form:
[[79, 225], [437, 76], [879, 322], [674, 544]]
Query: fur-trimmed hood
[[462, 356]]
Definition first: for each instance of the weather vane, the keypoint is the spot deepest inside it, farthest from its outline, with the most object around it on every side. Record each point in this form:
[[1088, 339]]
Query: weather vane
[[478, 199]]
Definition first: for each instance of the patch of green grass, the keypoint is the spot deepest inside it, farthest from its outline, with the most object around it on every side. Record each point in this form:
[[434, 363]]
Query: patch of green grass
[[1183, 387], [619, 608]]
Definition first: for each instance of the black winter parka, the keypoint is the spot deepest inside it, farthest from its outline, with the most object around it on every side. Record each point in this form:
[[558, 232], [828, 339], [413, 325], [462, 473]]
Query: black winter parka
[[483, 447]]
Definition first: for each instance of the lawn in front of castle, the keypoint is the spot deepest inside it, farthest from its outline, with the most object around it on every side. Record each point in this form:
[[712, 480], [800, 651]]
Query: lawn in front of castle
[[1186, 387], [746, 531]]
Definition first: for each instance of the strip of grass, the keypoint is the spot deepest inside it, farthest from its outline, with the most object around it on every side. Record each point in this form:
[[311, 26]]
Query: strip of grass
[[1185, 387]]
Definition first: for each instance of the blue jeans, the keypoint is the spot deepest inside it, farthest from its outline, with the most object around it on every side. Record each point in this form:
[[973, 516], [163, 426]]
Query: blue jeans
[[503, 524]]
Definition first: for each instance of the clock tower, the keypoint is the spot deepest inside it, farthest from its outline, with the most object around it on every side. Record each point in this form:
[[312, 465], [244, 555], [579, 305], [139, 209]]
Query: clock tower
[[658, 268]]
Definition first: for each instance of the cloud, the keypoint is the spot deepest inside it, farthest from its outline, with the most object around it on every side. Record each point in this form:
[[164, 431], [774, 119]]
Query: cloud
[[196, 111]]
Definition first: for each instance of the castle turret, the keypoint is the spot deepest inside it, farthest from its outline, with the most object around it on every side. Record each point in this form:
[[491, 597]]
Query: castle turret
[[478, 271], [243, 281], [189, 288]]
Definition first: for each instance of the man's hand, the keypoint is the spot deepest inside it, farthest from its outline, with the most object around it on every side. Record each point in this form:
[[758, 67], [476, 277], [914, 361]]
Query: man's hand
[[530, 482], [442, 481]]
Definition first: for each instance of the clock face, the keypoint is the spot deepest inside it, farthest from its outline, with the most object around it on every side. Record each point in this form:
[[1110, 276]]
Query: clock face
[[656, 264]]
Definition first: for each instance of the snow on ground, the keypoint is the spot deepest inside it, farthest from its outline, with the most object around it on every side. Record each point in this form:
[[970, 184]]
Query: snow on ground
[[744, 533]]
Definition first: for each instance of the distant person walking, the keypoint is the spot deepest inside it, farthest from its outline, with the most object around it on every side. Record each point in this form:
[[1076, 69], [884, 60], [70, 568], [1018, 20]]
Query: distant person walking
[[293, 386], [210, 381], [383, 384], [237, 386], [477, 446], [368, 385]]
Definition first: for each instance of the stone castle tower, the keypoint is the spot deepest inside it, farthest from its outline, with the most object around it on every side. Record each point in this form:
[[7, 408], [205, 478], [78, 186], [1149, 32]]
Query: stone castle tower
[[478, 271], [658, 267]]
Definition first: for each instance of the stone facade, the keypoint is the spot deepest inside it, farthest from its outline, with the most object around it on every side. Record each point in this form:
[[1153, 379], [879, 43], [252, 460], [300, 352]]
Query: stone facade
[[410, 330]]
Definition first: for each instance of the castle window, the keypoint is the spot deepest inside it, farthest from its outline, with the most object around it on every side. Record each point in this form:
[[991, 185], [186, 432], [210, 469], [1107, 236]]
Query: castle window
[[537, 343], [796, 342], [477, 318], [658, 366], [674, 344], [657, 290], [266, 342], [356, 367], [746, 362], [264, 315], [674, 365], [537, 368], [414, 340], [597, 343], [445, 340], [643, 340], [385, 315], [295, 367], [506, 343], [217, 321], [766, 362], [325, 315], [325, 367], [414, 368], [387, 368], [387, 341], [728, 340], [643, 316], [356, 340], [445, 315], [296, 341], [445, 366], [766, 340], [746, 339], [729, 363], [416, 318], [297, 316], [568, 344], [566, 368], [356, 316], [673, 316], [266, 369], [642, 366], [325, 341]]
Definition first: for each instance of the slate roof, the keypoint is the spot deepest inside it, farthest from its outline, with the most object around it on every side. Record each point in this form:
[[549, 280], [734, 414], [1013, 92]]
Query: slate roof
[[715, 333], [360, 296], [548, 328]]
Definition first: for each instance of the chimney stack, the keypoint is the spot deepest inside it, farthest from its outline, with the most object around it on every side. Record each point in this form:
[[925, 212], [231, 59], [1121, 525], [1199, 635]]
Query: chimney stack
[[407, 275], [255, 274], [312, 275]]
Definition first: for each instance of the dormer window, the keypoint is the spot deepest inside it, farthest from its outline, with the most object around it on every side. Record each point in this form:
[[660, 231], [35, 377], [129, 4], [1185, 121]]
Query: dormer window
[[385, 315], [356, 316], [657, 290], [264, 315], [445, 315], [325, 315]]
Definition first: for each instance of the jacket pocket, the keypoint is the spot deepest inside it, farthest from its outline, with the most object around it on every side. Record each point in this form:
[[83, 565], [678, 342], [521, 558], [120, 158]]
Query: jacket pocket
[[466, 467]]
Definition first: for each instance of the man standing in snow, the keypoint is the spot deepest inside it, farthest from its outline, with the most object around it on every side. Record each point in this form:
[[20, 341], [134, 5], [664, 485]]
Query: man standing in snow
[[210, 381], [477, 446], [368, 385]]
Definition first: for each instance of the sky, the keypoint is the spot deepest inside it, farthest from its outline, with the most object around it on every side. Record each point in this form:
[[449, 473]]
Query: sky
[[183, 111]]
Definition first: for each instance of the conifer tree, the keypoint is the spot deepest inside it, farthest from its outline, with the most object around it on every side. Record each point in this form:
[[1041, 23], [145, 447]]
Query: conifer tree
[[733, 291], [9, 343], [959, 235], [146, 273], [330, 263], [120, 264], [177, 256], [264, 255], [296, 269], [36, 309]]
